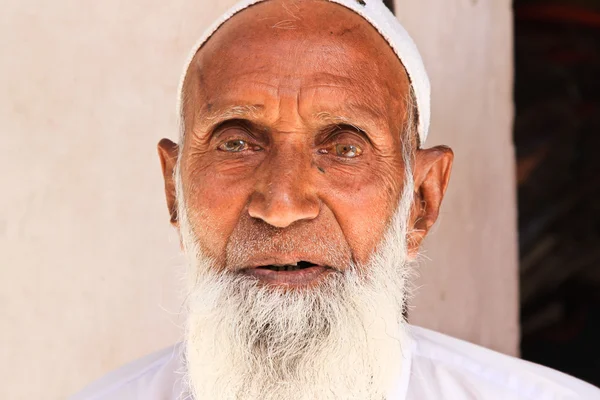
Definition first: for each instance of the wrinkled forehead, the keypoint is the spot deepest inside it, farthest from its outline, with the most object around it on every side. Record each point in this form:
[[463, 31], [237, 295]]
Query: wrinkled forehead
[[314, 26], [316, 29], [305, 46], [293, 13]]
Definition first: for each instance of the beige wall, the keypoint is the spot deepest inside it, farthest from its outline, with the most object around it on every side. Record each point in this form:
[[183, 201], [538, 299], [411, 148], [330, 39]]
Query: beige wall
[[89, 267], [468, 285]]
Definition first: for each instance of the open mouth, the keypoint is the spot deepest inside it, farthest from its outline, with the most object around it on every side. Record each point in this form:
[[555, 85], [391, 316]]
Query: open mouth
[[301, 273], [289, 267]]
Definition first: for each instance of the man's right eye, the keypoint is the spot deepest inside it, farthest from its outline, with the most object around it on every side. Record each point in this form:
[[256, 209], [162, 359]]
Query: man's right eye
[[234, 146]]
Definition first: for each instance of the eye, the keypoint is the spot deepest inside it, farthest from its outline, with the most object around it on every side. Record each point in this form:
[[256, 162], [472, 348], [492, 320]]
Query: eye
[[233, 146], [347, 150]]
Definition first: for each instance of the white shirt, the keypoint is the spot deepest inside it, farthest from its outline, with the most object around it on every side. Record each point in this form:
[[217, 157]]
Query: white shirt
[[436, 367]]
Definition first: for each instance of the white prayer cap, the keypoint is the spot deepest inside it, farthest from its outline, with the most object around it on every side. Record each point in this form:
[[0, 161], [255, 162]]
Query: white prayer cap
[[382, 19]]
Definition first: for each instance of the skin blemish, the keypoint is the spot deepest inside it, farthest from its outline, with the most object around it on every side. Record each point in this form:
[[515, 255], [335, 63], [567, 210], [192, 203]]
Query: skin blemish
[[321, 170], [349, 30]]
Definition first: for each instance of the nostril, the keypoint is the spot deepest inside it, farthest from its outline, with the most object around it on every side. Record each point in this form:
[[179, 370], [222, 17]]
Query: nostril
[[282, 213]]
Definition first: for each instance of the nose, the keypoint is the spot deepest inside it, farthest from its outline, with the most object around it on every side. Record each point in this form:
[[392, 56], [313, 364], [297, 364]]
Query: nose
[[285, 192]]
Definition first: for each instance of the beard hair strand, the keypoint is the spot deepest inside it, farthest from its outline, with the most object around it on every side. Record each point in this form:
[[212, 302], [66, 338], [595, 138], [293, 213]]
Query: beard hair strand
[[342, 339]]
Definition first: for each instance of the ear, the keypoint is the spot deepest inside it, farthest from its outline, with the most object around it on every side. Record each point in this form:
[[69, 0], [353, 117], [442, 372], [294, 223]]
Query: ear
[[431, 175], [168, 153]]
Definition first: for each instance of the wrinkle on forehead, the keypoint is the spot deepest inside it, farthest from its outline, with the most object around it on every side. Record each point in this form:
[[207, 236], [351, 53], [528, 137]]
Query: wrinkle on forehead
[[329, 46]]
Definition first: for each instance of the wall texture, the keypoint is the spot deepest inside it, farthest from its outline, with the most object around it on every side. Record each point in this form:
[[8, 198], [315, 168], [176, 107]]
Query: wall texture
[[468, 284], [89, 266]]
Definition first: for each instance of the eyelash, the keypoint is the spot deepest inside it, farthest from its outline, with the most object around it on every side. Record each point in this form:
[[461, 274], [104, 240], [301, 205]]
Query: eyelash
[[248, 146], [336, 148], [339, 138], [332, 141]]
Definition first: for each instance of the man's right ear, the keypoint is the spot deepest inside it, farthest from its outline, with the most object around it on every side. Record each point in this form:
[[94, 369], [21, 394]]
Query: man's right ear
[[168, 153]]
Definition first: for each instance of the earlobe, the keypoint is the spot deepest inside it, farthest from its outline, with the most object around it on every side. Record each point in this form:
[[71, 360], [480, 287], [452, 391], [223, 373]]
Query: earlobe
[[431, 176], [168, 153]]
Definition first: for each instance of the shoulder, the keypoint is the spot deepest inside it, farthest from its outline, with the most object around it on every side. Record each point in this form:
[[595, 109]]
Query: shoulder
[[472, 371], [156, 376]]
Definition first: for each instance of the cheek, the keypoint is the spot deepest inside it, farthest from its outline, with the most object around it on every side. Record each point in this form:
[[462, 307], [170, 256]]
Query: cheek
[[215, 202], [363, 205]]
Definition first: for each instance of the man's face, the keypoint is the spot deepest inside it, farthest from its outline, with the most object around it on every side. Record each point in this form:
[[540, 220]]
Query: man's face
[[294, 130], [300, 200]]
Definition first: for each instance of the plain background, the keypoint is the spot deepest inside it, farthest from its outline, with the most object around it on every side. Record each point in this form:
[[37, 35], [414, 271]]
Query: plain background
[[90, 267]]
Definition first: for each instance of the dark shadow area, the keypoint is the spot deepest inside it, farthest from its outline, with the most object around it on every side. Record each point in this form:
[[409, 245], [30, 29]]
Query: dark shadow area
[[390, 4], [557, 138]]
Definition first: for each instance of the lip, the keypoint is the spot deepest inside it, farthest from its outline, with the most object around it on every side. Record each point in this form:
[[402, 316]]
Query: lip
[[302, 277], [283, 259]]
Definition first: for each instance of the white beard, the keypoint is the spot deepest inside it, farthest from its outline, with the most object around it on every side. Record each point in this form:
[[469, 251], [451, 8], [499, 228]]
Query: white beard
[[342, 339]]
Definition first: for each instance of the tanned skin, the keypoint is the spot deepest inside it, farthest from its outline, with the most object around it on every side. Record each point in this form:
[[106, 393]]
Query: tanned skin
[[295, 117]]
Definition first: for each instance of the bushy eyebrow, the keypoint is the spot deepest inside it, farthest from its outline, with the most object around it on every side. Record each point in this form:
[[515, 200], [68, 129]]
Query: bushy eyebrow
[[362, 119], [232, 112], [339, 121], [328, 118], [365, 121]]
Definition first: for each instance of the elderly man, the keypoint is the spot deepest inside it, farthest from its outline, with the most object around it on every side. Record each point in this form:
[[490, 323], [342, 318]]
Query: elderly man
[[301, 192]]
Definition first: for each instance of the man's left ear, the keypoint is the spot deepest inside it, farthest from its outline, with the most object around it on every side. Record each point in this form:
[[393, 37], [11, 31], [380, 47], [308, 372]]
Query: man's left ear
[[431, 175]]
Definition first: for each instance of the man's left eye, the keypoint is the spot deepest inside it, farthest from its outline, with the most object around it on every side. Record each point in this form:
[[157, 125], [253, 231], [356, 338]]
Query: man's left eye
[[234, 146], [347, 150]]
